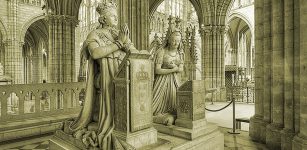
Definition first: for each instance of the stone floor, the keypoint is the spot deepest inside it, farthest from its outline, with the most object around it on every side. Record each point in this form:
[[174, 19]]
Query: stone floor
[[222, 118]]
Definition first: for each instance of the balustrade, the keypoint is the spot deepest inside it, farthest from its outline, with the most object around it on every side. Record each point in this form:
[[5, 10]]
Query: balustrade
[[32, 2], [22, 101]]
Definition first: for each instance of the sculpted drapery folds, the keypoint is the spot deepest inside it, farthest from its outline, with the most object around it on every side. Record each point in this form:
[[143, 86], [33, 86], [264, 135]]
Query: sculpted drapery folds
[[168, 65], [104, 48]]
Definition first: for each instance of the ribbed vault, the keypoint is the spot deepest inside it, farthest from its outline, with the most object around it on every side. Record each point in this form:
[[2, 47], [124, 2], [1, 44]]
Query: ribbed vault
[[37, 32], [63, 7]]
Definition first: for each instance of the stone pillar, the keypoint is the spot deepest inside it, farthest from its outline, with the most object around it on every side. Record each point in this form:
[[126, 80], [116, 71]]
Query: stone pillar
[[223, 31], [37, 65], [296, 62], [136, 14], [214, 58], [256, 128], [13, 51], [218, 56], [288, 131], [61, 60], [205, 35], [267, 66], [2, 51], [273, 139], [300, 140], [222, 64]]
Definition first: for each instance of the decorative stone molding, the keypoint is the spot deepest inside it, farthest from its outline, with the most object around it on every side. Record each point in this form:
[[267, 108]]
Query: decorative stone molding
[[205, 30], [62, 18]]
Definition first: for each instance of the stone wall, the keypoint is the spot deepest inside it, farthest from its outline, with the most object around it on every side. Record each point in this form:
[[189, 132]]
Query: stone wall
[[15, 19], [280, 113]]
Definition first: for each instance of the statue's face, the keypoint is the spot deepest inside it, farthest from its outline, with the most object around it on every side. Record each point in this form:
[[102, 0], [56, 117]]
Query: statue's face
[[111, 18], [174, 40]]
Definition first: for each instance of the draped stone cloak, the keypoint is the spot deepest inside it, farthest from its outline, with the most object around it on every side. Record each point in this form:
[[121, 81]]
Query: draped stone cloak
[[98, 109]]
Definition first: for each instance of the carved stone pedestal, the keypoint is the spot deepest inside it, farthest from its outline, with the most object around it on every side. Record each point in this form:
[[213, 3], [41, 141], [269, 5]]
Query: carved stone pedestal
[[213, 140], [186, 133], [140, 138], [63, 141], [191, 130], [133, 98], [176, 138], [191, 104]]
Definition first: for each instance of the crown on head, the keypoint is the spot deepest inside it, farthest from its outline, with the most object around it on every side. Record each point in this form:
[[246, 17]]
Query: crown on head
[[172, 30], [104, 7]]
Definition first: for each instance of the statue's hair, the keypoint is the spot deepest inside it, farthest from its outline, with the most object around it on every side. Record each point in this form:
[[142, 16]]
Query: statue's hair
[[105, 7]]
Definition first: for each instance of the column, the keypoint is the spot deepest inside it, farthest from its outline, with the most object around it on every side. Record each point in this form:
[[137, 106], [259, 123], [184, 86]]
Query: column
[[206, 55], [214, 58], [210, 57], [296, 62], [256, 128], [222, 64], [37, 65], [288, 131], [300, 140], [223, 31], [267, 66], [273, 139], [218, 56], [2, 50], [61, 60], [135, 13], [13, 50]]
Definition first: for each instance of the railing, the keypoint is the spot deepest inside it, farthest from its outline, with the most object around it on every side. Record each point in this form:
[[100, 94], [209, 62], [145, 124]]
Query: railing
[[21, 101], [38, 3], [244, 93]]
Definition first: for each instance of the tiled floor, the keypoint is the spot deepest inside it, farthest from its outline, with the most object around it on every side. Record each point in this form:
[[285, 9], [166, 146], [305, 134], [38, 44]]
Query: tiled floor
[[223, 118]]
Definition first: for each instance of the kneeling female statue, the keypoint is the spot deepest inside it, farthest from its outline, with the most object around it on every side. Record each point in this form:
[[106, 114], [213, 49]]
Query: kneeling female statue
[[168, 65]]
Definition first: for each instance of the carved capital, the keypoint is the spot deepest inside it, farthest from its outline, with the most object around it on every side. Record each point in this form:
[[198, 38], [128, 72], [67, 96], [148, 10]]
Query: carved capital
[[7, 42], [206, 30], [62, 18], [224, 29], [215, 29]]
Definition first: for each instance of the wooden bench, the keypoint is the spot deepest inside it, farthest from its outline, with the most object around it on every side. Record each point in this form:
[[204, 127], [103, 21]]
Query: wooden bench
[[239, 120]]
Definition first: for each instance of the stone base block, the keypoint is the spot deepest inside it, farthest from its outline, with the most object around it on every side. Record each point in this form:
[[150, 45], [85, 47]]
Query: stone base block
[[210, 141], [286, 139], [254, 128], [63, 141], [299, 143], [273, 134], [140, 138], [263, 128], [190, 124], [56, 143], [213, 140], [23, 132], [186, 133]]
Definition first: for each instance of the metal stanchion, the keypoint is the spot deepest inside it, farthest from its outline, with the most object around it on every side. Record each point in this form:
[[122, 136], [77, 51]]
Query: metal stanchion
[[247, 95], [233, 114]]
